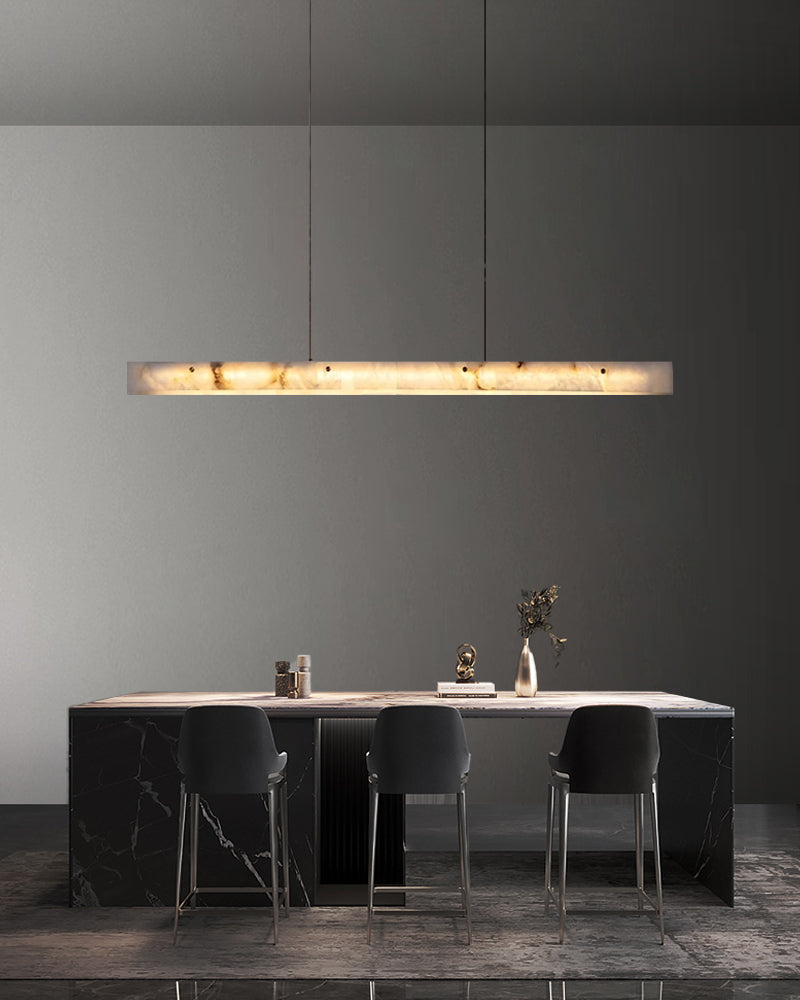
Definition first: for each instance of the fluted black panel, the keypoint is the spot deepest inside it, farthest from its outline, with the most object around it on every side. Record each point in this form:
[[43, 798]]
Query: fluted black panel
[[344, 809]]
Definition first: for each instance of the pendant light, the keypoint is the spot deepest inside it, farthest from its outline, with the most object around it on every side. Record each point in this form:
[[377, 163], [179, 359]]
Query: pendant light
[[504, 378]]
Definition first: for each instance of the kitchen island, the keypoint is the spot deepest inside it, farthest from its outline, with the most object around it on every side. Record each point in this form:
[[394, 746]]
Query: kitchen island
[[124, 789]]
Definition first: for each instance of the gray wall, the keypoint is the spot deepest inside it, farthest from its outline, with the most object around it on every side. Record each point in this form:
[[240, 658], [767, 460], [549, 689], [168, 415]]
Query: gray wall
[[166, 543]]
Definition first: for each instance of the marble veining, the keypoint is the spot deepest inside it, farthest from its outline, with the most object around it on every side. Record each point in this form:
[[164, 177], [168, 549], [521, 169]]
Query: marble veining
[[696, 789], [399, 378], [124, 792], [715, 826], [349, 704], [228, 845]]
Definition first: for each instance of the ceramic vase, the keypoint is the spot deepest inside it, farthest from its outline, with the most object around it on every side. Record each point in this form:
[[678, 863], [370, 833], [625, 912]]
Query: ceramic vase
[[526, 683]]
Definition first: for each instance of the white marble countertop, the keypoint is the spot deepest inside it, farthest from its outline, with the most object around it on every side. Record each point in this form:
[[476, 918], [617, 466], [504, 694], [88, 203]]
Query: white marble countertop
[[367, 704]]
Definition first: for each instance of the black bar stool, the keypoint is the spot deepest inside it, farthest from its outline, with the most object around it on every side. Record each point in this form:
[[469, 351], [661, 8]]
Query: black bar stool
[[607, 750], [230, 750], [419, 750]]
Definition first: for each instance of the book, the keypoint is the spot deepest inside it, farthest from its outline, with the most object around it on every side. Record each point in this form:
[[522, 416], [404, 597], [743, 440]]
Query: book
[[468, 689]]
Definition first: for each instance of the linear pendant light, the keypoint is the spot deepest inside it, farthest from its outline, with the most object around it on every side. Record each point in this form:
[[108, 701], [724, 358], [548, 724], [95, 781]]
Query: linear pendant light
[[415, 378], [502, 378]]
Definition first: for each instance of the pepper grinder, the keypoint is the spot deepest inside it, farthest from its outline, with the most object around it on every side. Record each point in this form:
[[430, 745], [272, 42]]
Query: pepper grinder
[[303, 675]]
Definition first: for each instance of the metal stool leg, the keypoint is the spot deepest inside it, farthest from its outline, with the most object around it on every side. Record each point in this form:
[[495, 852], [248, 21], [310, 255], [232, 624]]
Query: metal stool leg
[[181, 838], [657, 857], [563, 819], [194, 837], [373, 831], [273, 858], [463, 851], [285, 838], [638, 823], [548, 858]]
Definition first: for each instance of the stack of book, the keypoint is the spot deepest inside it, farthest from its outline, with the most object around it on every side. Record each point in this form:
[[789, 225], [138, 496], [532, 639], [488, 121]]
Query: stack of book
[[466, 689]]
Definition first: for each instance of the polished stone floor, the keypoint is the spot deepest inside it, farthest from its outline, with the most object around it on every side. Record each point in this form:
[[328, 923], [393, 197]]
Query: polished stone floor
[[435, 989], [758, 828]]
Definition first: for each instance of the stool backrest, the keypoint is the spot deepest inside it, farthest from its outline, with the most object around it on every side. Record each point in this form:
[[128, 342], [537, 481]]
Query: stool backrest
[[227, 750], [419, 749], [610, 749]]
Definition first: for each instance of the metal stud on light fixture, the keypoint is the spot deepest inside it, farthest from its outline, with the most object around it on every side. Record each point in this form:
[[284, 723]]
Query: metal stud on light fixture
[[401, 378]]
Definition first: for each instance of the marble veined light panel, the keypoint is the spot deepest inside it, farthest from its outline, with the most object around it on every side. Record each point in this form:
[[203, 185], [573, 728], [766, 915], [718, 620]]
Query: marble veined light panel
[[402, 378]]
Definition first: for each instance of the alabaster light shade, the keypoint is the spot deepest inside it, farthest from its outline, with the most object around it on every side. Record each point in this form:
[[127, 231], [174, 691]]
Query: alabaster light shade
[[402, 378]]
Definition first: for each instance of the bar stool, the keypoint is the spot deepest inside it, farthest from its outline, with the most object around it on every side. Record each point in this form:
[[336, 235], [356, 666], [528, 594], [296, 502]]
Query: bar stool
[[419, 750], [607, 750], [230, 750]]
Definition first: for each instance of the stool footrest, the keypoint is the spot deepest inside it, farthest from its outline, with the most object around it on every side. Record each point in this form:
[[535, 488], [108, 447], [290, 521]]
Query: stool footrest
[[235, 888], [601, 911], [229, 889], [552, 898], [418, 888], [403, 910]]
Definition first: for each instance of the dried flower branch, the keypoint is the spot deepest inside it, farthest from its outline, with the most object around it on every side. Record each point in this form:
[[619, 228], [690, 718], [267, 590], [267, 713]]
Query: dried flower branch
[[534, 612]]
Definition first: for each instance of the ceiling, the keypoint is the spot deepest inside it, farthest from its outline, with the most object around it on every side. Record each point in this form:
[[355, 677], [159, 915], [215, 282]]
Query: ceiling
[[246, 62]]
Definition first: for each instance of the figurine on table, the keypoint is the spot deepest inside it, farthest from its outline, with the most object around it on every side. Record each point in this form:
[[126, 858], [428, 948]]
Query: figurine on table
[[466, 663]]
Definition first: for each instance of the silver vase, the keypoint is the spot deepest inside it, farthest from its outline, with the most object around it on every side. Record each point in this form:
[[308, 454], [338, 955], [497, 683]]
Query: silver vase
[[526, 683]]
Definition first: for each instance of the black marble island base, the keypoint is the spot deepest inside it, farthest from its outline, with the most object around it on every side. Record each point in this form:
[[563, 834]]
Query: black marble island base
[[124, 795], [124, 791]]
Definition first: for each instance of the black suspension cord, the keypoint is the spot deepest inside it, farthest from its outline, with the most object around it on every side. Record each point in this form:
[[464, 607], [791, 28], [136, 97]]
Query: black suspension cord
[[309, 180], [484, 180]]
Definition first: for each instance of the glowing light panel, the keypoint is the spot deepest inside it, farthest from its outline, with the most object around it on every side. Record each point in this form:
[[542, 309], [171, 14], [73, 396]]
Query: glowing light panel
[[156, 378]]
